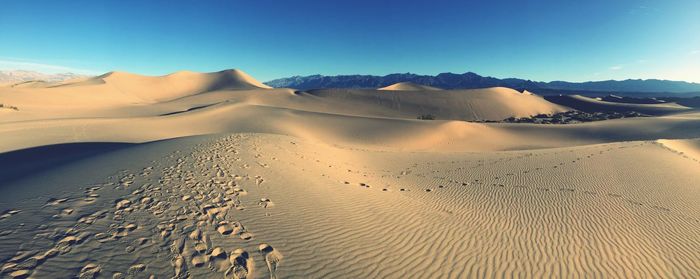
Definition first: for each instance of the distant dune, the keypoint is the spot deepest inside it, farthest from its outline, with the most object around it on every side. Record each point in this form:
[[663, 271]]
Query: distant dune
[[175, 85], [621, 99], [118, 90], [592, 105], [475, 104], [408, 86]]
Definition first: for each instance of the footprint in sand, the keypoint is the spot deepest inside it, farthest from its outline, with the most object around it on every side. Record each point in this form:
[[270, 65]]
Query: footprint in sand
[[89, 271], [571, 190], [218, 252], [8, 213], [201, 247], [177, 246], [65, 244], [258, 180], [265, 203], [199, 259], [226, 228], [22, 264], [634, 202], [178, 263], [134, 270], [246, 236], [122, 231], [272, 258], [67, 211], [241, 265], [195, 235], [54, 201], [20, 274], [218, 260], [122, 203]]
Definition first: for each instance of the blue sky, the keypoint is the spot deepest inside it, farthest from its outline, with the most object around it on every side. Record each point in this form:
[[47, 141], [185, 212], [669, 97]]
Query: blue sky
[[540, 40]]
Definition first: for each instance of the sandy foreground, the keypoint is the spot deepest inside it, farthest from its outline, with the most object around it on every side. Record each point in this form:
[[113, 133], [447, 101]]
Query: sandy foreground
[[212, 175]]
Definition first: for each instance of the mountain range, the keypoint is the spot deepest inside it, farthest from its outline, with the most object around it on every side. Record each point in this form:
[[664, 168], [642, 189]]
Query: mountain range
[[17, 76], [471, 80]]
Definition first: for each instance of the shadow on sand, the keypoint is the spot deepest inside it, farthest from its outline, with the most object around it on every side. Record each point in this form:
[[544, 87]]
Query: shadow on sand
[[15, 165]]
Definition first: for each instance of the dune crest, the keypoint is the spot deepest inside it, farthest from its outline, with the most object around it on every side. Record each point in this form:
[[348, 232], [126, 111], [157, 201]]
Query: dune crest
[[687, 147], [592, 105], [496, 103], [408, 86], [174, 85]]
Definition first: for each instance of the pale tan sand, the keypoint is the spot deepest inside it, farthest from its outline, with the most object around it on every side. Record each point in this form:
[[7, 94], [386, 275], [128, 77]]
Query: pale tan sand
[[382, 133], [688, 148], [408, 86], [310, 185], [30, 84], [496, 103], [562, 212], [591, 104]]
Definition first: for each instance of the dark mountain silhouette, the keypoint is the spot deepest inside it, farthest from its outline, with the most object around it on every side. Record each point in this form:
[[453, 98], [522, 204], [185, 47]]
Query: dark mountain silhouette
[[471, 80]]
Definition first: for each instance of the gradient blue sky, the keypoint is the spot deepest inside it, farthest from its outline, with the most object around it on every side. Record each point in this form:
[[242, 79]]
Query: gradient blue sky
[[540, 40]]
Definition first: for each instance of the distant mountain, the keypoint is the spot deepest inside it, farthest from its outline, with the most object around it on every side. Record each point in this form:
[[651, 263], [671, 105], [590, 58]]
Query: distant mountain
[[17, 76], [471, 80]]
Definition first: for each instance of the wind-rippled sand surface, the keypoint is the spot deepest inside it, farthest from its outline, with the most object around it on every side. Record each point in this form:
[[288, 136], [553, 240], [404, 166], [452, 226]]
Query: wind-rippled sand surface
[[307, 209]]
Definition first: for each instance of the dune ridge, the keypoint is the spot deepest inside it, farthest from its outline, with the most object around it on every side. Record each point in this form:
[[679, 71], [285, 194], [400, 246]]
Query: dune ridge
[[495, 103], [175, 85], [408, 86], [688, 147], [592, 105]]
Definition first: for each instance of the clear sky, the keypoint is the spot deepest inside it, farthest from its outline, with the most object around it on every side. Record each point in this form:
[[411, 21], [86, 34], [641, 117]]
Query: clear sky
[[540, 40]]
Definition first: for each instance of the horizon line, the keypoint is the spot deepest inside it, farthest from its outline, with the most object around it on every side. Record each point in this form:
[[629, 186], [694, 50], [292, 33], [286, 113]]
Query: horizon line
[[100, 73]]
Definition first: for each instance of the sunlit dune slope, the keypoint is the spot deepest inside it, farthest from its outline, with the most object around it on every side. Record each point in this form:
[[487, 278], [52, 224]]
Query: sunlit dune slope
[[593, 105], [408, 86], [496, 103]]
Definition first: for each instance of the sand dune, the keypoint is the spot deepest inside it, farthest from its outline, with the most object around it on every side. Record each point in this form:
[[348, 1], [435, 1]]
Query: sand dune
[[31, 84], [477, 104], [128, 95], [122, 89], [408, 86], [118, 94], [688, 148], [621, 99], [211, 175], [381, 133], [592, 105], [175, 85]]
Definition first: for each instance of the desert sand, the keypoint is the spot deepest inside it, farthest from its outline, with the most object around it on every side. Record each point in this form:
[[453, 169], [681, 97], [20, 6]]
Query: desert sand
[[408, 86], [217, 175], [591, 104]]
